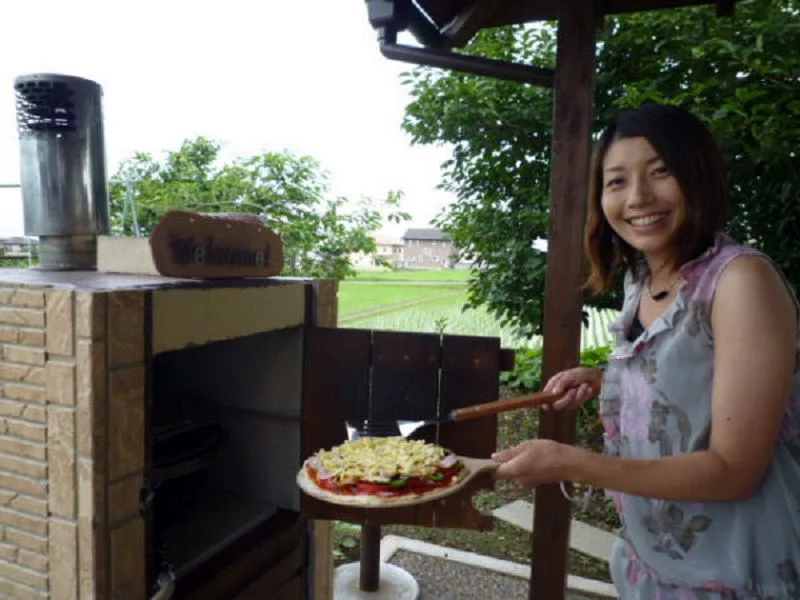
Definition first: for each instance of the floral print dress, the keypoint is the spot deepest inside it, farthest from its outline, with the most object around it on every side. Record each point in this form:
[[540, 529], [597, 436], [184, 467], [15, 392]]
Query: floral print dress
[[656, 402]]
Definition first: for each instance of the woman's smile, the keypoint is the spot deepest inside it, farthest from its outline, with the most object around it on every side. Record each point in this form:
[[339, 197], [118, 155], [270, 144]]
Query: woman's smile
[[642, 199], [649, 222]]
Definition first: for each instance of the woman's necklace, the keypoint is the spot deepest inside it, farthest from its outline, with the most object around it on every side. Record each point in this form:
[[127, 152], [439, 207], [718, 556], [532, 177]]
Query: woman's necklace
[[659, 296]]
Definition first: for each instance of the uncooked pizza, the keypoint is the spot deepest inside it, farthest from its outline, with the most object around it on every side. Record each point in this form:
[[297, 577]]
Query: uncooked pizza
[[381, 471]]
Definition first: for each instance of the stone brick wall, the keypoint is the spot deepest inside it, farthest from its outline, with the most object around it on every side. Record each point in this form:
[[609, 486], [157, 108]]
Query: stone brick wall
[[24, 523], [124, 438], [71, 370], [72, 456]]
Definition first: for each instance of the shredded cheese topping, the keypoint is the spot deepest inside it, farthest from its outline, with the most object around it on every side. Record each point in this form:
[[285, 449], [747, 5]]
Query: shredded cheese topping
[[381, 459]]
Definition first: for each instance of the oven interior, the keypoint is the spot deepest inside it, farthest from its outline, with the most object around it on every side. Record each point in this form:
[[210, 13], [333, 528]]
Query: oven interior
[[223, 444]]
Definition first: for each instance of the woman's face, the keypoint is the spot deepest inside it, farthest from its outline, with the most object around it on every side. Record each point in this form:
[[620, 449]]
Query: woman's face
[[641, 198]]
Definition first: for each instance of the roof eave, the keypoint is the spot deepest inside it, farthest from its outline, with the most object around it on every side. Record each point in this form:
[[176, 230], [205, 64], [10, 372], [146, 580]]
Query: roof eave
[[435, 28]]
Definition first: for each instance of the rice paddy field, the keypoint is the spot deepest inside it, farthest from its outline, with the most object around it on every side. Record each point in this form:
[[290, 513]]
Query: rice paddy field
[[433, 301]]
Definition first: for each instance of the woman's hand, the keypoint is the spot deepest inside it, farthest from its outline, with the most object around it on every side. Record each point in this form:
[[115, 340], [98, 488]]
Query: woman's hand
[[577, 385], [535, 462]]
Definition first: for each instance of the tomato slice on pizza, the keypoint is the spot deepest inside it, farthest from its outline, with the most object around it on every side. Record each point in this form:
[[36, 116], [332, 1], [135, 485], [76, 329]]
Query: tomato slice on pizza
[[386, 468]]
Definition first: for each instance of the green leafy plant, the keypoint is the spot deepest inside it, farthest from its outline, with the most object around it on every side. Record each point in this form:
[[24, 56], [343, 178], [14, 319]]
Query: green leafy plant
[[595, 357], [527, 376], [739, 74], [527, 373], [590, 427], [440, 325], [346, 541]]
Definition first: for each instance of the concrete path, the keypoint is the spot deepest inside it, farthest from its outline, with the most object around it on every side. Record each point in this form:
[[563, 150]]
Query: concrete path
[[449, 574], [583, 538], [443, 573]]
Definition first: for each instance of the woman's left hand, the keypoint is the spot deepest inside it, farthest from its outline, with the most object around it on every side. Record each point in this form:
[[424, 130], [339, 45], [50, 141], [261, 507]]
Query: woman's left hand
[[534, 463]]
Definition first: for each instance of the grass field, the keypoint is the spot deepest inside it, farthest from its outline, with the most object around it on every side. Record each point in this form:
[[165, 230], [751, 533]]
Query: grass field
[[439, 315], [413, 275], [429, 305], [355, 298], [420, 301]]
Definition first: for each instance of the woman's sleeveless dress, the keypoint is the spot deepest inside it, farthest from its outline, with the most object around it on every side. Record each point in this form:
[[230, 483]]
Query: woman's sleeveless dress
[[656, 402]]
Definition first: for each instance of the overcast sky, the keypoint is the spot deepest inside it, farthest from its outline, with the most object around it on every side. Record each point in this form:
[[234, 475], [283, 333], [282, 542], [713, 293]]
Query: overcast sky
[[268, 75]]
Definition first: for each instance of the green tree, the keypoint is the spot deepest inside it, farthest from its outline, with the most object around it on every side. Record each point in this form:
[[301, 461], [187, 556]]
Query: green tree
[[740, 74], [289, 193]]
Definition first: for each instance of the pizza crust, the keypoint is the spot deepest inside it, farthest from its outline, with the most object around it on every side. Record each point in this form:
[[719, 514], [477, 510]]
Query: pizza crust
[[369, 501]]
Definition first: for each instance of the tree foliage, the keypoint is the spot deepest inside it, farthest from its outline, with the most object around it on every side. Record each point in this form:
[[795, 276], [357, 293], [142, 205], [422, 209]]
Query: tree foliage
[[739, 74], [289, 193]]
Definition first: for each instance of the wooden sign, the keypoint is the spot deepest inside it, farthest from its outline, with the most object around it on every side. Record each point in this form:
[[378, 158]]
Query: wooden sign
[[215, 246]]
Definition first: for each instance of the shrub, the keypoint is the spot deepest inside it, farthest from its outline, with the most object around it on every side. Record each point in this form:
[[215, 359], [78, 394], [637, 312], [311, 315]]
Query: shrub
[[527, 376], [527, 373]]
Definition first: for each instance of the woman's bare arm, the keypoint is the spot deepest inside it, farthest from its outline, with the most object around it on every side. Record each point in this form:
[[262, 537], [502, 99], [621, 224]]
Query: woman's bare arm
[[754, 324]]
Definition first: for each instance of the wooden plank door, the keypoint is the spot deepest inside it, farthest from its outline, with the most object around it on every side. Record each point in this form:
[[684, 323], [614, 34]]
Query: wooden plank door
[[353, 374]]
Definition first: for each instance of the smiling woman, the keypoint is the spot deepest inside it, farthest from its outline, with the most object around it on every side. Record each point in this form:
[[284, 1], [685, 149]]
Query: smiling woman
[[701, 397], [642, 200], [666, 182]]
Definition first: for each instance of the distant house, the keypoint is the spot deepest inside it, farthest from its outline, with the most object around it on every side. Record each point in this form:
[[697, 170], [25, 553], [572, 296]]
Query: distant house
[[390, 250], [17, 246], [386, 249], [428, 248]]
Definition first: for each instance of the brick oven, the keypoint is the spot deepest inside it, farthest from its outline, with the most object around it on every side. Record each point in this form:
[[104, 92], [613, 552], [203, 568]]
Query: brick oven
[[152, 427]]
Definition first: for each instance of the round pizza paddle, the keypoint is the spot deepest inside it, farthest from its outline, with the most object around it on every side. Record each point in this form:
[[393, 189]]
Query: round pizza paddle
[[472, 468]]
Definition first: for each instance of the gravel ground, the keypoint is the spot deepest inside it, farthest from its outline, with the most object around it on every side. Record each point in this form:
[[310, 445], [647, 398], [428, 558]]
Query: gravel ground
[[440, 579]]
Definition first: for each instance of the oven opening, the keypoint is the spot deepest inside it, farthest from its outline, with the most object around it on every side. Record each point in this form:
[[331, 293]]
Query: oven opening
[[223, 445]]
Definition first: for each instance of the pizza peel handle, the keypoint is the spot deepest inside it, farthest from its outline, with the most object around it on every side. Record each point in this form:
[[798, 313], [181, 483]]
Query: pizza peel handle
[[498, 406], [472, 468]]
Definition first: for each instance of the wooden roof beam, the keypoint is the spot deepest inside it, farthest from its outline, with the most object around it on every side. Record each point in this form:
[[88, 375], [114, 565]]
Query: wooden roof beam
[[467, 17], [465, 63], [628, 6], [388, 17], [469, 22]]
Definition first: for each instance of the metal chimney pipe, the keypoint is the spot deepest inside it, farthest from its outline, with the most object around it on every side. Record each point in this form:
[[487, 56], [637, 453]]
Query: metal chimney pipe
[[62, 164]]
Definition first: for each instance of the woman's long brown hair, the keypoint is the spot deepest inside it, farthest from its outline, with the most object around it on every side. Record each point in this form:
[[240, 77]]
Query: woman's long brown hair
[[687, 147]]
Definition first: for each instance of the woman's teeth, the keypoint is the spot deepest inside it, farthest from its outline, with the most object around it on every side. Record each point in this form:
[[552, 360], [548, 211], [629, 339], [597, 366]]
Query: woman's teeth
[[648, 220]]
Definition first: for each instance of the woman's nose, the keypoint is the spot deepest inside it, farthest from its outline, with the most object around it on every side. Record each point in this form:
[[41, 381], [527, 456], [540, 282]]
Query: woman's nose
[[638, 192]]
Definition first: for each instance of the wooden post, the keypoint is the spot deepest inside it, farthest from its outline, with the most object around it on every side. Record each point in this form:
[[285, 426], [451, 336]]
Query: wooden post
[[370, 573], [323, 309], [573, 98]]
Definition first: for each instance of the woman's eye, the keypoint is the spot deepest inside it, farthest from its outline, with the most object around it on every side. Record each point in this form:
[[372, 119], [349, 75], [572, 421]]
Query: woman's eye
[[661, 170], [616, 181]]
